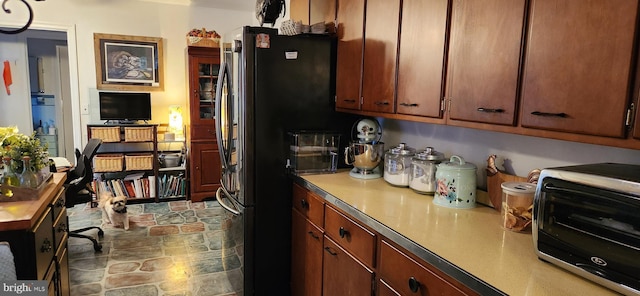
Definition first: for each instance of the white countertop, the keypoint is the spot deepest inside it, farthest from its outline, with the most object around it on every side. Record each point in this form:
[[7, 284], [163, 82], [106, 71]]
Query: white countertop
[[471, 239]]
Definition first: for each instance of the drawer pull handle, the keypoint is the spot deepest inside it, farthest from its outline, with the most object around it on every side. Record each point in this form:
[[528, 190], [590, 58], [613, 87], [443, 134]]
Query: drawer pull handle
[[489, 110], [349, 101], [414, 285], [330, 252], [59, 203], [409, 104], [62, 227], [381, 103], [304, 203], [538, 113], [343, 232], [313, 235], [46, 246]]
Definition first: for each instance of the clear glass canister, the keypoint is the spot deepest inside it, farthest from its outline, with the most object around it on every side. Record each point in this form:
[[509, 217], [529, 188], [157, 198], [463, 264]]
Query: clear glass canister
[[397, 165], [423, 170], [517, 205]]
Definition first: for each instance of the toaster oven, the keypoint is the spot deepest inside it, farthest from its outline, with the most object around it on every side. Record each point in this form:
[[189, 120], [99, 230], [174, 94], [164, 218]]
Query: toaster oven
[[586, 220]]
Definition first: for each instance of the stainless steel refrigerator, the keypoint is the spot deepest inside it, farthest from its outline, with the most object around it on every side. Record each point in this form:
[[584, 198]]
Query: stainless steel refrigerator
[[269, 85]]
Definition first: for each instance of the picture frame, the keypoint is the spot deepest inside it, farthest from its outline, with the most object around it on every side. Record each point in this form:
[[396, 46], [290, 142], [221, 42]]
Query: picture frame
[[129, 63]]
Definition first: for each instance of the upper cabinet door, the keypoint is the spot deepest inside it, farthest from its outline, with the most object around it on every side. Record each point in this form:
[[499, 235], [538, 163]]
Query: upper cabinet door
[[577, 67], [421, 57], [350, 17], [484, 60], [380, 54]]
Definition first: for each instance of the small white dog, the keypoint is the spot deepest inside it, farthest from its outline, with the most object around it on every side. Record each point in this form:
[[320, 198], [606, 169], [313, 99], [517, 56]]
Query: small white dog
[[114, 210]]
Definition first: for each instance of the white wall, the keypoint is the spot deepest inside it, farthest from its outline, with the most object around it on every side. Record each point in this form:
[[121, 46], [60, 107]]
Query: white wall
[[520, 154], [123, 17]]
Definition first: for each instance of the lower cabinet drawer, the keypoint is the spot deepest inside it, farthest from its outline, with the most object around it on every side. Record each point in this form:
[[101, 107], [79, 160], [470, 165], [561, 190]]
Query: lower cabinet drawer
[[50, 277], [350, 235], [407, 276], [60, 230]]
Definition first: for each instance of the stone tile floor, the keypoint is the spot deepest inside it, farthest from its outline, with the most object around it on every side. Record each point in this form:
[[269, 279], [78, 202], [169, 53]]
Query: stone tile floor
[[171, 248]]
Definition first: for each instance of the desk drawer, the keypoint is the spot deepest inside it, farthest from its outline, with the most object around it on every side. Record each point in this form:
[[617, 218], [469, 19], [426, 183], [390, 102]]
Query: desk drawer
[[400, 272], [356, 239], [60, 230], [43, 243], [308, 204], [58, 204]]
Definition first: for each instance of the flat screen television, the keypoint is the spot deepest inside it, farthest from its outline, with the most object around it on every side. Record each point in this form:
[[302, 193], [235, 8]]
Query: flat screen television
[[125, 107]]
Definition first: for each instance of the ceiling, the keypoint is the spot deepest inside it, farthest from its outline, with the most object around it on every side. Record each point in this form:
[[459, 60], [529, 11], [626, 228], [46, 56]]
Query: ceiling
[[247, 5]]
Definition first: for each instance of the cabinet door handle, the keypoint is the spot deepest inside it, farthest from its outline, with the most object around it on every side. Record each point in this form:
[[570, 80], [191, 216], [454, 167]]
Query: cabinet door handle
[[313, 235], [381, 103], [349, 101], [304, 203], [490, 110], [343, 232], [330, 252], [561, 114], [414, 285], [409, 104], [46, 246]]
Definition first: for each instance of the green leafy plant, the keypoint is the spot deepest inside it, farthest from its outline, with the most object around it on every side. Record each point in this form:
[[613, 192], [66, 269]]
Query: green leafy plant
[[17, 145]]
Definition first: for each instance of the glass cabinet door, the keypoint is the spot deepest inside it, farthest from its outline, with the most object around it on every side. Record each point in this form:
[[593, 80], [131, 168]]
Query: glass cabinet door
[[207, 80]]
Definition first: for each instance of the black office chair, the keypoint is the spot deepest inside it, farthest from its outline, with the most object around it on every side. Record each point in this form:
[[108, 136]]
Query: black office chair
[[78, 187]]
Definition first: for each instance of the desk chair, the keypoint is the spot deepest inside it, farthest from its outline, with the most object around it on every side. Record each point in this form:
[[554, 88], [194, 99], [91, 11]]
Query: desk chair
[[78, 187]]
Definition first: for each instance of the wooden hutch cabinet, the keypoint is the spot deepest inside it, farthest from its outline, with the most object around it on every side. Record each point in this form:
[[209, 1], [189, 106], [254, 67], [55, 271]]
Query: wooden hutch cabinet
[[204, 162]]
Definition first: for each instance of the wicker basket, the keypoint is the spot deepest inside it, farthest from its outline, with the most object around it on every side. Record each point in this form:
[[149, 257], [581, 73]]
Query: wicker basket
[[106, 134], [137, 162], [203, 42], [138, 134], [107, 163]]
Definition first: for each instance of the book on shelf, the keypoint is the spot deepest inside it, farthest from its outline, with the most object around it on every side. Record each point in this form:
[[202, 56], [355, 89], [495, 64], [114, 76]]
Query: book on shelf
[[132, 186]]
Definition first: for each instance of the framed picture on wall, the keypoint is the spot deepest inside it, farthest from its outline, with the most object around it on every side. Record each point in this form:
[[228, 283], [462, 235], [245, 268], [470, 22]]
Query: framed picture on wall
[[128, 62]]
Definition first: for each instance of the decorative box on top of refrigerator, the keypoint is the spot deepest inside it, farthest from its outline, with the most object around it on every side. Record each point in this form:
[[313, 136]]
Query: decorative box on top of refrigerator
[[314, 152]]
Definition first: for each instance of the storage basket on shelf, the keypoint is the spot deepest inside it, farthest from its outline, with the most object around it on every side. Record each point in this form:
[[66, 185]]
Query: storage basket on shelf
[[135, 162], [107, 163], [106, 134], [138, 134]]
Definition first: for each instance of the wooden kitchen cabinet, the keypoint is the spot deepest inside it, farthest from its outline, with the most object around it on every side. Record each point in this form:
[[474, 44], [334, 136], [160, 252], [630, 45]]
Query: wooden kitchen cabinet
[[577, 69], [406, 276], [205, 170], [352, 259], [344, 274], [306, 256], [204, 161], [380, 55], [307, 236], [484, 60], [350, 29], [421, 57]]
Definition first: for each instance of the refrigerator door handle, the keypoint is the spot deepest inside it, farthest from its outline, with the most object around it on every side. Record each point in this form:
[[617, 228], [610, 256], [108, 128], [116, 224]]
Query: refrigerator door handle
[[223, 78], [221, 191]]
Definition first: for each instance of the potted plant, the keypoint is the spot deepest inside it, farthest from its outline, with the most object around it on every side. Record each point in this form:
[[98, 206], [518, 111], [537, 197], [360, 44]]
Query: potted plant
[[17, 145]]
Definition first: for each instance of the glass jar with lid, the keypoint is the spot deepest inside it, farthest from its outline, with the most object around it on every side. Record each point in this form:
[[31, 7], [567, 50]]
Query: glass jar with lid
[[397, 165], [423, 170]]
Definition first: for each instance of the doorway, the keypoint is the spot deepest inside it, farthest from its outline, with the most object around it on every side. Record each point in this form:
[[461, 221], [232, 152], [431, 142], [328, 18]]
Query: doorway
[[44, 66]]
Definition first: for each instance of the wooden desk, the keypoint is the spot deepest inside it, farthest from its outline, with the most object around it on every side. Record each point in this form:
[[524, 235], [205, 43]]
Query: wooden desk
[[37, 232]]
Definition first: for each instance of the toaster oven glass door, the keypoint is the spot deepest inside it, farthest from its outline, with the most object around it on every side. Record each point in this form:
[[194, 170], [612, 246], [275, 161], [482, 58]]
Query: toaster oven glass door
[[597, 230]]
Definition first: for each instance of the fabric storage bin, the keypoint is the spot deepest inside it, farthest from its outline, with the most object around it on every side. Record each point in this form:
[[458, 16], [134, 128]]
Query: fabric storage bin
[[138, 134], [135, 162], [107, 163], [106, 134]]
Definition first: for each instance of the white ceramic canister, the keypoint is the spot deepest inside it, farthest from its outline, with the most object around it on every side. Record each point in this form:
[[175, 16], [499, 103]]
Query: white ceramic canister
[[397, 165], [423, 170], [456, 184]]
